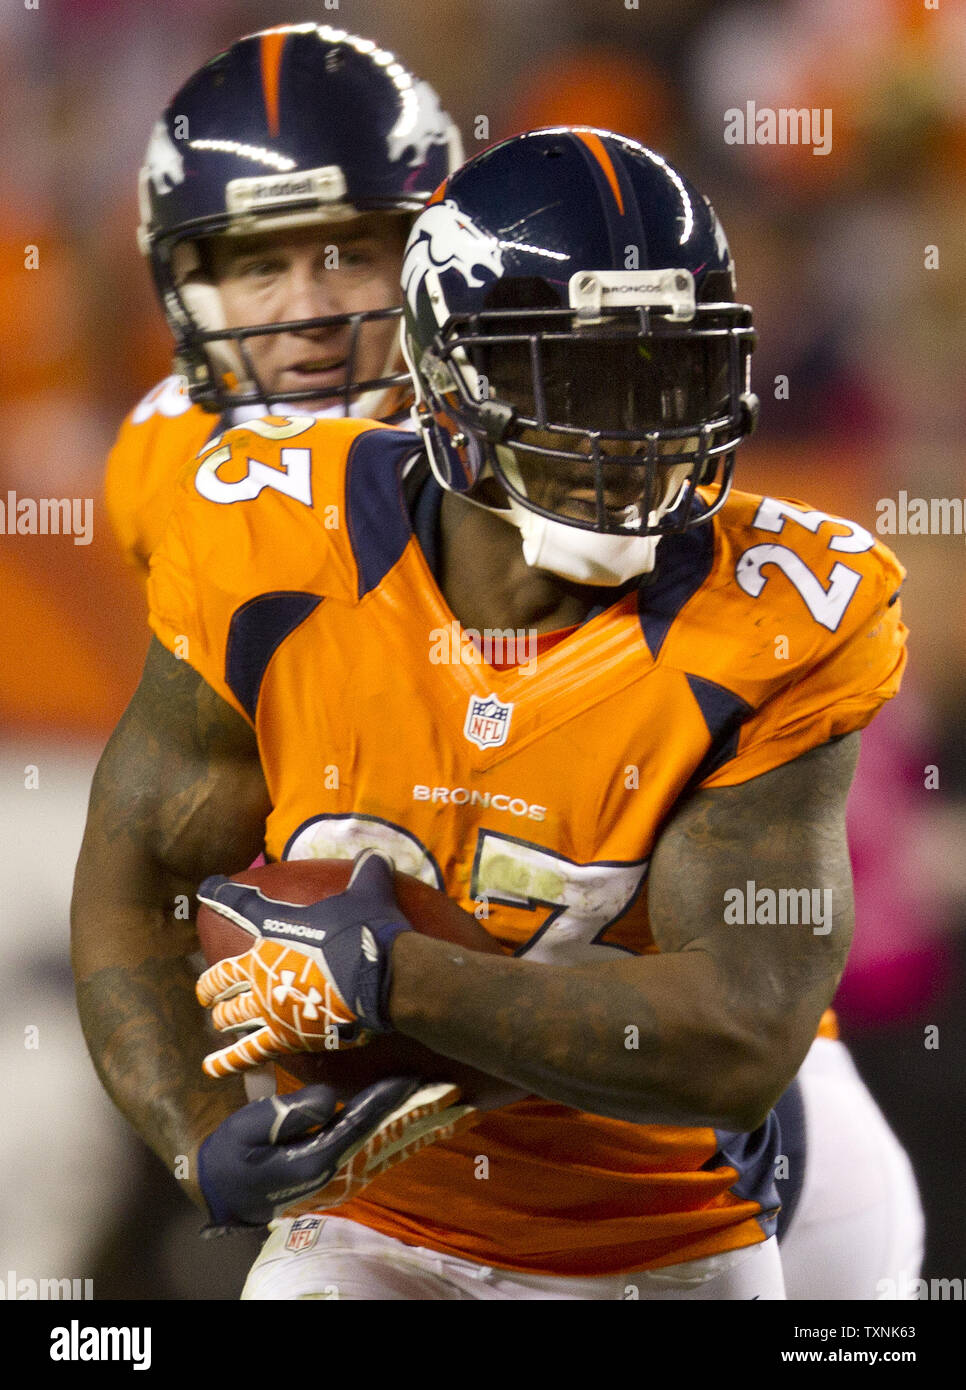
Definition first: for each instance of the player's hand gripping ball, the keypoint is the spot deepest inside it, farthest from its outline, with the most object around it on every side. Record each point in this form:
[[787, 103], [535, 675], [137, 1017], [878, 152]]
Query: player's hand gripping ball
[[308, 1024], [288, 1155], [316, 972]]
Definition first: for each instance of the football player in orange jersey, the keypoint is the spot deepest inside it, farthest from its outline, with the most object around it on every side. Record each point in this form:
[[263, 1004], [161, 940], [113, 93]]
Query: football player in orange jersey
[[637, 813], [276, 196]]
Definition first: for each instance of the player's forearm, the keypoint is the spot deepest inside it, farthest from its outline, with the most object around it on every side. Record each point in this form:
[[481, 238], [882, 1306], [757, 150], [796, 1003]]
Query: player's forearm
[[178, 794], [147, 1036], [589, 1037]]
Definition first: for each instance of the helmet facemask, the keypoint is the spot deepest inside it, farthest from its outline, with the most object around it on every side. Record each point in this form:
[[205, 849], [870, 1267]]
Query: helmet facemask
[[603, 419], [218, 360]]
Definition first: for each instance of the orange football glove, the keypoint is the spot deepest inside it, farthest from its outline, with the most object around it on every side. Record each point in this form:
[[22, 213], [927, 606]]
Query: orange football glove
[[318, 975], [283, 990]]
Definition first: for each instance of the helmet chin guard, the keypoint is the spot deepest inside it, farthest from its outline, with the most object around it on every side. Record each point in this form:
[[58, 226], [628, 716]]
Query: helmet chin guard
[[585, 557]]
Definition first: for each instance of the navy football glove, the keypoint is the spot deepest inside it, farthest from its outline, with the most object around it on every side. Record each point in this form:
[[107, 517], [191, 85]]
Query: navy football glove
[[265, 1160]]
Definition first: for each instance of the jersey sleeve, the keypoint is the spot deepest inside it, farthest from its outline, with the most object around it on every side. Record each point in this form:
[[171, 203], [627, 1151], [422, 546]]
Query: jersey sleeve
[[842, 677], [184, 613], [120, 513], [143, 466]]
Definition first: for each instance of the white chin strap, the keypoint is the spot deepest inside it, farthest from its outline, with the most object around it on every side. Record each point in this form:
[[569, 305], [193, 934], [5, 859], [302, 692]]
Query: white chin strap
[[241, 413], [586, 557], [371, 405]]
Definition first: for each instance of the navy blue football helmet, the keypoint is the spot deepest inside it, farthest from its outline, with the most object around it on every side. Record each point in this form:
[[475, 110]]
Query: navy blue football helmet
[[572, 330], [290, 126]]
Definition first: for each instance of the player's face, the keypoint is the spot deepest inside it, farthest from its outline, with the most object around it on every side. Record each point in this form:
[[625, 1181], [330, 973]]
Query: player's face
[[624, 386], [567, 488], [313, 272]]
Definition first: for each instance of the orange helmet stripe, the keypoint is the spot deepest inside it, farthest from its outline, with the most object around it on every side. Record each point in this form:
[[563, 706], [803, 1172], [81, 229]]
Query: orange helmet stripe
[[271, 56], [598, 149]]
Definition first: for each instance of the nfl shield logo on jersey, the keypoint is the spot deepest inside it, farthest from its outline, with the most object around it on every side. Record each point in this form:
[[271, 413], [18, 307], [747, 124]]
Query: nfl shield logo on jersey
[[487, 721], [304, 1232]]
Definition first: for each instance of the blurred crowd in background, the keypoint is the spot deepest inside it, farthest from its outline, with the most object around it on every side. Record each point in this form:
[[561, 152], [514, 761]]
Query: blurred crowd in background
[[867, 325]]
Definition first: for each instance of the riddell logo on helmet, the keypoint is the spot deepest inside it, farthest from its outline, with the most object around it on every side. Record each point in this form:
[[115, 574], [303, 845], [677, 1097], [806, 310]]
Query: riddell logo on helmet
[[291, 188], [327, 185]]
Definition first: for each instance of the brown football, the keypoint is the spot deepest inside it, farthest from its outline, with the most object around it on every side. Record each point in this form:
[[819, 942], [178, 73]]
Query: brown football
[[391, 1054]]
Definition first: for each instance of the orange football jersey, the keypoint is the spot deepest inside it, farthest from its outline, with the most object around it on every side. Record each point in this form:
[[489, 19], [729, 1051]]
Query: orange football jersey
[[295, 579], [160, 433]]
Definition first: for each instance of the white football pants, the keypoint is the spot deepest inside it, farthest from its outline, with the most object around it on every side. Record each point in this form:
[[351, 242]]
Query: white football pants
[[858, 1219]]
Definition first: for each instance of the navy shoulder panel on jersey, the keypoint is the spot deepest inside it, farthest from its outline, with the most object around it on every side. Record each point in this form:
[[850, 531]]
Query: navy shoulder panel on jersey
[[424, 500], [724, 713], [257, 630], [683, 564], [377, 518]]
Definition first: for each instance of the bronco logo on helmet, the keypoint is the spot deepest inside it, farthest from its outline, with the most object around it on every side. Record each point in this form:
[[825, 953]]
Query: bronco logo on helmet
[[163, 163], [444, 238], [431, 126]]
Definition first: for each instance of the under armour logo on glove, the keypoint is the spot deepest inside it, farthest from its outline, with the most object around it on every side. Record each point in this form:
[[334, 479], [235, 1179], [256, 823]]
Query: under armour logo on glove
[[323, 971], [308, 1001]]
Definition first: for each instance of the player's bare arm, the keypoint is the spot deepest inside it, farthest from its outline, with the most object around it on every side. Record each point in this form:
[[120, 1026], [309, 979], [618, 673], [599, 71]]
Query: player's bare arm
[[725, 1013], [178, 794]]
